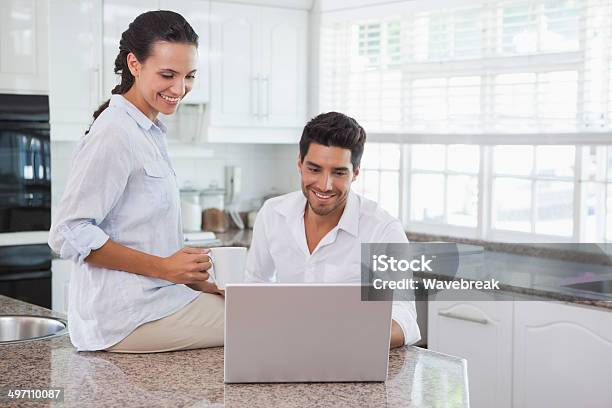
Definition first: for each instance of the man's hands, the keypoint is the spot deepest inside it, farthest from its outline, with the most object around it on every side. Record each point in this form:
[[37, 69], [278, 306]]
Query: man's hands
[[397, 335], [187, 265]]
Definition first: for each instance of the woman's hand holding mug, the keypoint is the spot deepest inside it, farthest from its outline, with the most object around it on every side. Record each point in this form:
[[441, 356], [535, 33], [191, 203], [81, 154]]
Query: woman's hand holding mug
[[187, 265]]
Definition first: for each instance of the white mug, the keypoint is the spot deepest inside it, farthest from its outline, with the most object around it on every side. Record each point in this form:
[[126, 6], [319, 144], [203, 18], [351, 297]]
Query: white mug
[[228, 265]]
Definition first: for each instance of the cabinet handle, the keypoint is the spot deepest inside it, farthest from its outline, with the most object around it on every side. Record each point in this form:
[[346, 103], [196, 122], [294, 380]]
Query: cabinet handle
[[259, 97], [255, 97], [467, 319], [267, 92]]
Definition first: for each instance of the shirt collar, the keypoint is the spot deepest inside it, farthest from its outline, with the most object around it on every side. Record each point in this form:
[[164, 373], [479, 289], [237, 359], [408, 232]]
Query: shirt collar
[[349, 221], [293, 209], [143, 121]]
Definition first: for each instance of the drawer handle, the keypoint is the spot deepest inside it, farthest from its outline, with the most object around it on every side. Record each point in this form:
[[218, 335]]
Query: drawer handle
[[467, 319], [255, 96]]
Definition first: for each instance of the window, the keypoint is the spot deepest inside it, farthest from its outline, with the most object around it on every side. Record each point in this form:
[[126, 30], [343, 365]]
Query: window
[[447, 34], [492, 107], [533, 189], [370, 44], [444, 184], [597, 192], [544, 26], [379, 45], [379, 176], [529, 101], [445, 104], [469, 67]]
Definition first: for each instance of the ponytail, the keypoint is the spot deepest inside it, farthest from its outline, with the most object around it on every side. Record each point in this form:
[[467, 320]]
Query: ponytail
[[127, 80]]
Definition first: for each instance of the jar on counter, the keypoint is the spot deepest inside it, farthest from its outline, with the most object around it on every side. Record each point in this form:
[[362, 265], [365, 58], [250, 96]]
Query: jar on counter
[[191, 210], [212, 197]]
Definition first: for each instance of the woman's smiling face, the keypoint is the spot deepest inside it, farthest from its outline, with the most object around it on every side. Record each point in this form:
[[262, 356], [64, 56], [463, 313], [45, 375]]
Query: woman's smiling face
[[164, 78]]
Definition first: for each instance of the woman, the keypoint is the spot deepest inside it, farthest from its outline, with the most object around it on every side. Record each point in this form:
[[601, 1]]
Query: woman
[[133, 288]]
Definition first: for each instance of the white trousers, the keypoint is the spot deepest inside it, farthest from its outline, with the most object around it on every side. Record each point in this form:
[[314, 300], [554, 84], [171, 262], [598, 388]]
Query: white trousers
[[199, 324]]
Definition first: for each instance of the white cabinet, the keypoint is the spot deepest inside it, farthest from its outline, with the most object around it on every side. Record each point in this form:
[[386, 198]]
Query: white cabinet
[[75, 45], [481, 332], [60, 284], [526, 352], [23, 46], [235, 64], [283, 67], [258, 72], [562, 355]]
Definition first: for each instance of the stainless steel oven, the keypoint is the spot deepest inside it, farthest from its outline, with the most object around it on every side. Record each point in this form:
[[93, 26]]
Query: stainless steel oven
[[25, 198], [25, 273]]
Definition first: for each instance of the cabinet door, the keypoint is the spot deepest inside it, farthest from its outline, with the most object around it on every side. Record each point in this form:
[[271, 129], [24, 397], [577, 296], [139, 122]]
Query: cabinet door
[[235, 82], [23, 46], [283, 67], [481, 332], [75, 46], [197, 14], [118, 14], [562, 355]]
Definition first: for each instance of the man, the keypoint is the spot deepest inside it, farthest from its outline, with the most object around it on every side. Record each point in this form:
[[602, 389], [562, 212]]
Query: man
[[315, 235]]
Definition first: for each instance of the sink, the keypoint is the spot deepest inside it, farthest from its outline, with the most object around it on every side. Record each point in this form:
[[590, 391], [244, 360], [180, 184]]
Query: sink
[[19, 328], [604, 286]]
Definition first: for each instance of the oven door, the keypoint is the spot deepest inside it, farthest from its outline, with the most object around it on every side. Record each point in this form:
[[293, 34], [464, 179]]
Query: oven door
[[25, 177], [32, 287], [25, 273]]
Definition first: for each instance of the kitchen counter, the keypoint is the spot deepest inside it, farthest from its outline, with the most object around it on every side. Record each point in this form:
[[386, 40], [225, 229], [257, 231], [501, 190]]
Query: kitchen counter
[[235, 237], [518, 273], [416, 377], [529, 276]]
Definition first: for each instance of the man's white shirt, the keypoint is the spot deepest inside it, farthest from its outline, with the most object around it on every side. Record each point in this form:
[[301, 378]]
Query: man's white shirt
[[279, 251]]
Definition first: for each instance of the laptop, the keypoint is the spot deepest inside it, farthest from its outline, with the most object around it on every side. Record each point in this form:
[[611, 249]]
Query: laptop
[[304, 333]]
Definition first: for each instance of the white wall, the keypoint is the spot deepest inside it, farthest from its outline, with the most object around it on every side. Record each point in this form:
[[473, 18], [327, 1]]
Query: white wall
[[265, 169]]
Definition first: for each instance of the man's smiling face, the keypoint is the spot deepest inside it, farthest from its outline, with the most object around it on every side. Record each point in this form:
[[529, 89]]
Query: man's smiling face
[[327, 174]]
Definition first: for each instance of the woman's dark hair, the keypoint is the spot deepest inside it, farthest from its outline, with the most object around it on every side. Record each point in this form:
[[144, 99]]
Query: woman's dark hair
[[142, 33], [334, 129]]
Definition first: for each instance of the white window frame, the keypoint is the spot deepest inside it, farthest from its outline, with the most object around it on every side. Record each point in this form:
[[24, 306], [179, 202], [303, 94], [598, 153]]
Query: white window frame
[[494, 234], [430, 227], [484, 229], [380, 170]]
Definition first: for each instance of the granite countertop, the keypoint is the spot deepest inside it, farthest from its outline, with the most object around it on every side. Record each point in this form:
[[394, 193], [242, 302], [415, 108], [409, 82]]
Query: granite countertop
[[532, 276], [235, 237], [518, 273], [416, 377]]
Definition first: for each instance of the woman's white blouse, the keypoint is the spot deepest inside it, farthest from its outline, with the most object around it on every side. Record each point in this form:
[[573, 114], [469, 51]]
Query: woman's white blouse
[[123, 187]]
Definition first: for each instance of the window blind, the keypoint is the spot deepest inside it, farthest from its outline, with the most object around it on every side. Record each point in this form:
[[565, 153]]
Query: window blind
[[536, 68]]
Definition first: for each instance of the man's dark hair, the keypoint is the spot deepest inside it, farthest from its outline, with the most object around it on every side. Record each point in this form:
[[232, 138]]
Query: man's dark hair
[[334, 129]]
